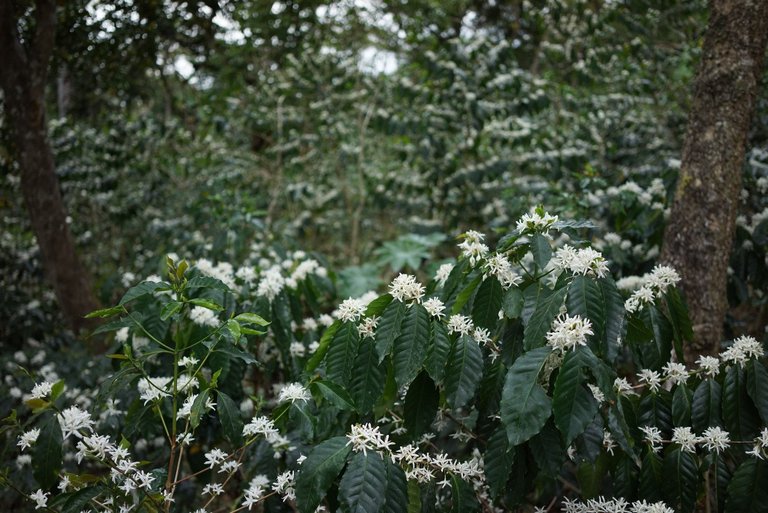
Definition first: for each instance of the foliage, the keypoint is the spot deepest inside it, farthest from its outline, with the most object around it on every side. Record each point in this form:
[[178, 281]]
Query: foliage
[[417, 396]]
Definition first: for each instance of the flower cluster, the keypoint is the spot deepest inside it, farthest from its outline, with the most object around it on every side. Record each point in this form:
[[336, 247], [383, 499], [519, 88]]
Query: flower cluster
[[568, 332], [652, 286], [602, 505], [350, 310], [293, 392], [534, 221], [405, 288], [472, 247], [365, 437], [500, 266], [587, 261], [743, 349]]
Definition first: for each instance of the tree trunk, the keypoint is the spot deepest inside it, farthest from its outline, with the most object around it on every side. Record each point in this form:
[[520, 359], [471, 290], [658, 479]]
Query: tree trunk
[[700, 231], [23, 78]]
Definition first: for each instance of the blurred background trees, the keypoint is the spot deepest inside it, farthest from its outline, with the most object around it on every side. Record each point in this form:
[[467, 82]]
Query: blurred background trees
[[200, 127]]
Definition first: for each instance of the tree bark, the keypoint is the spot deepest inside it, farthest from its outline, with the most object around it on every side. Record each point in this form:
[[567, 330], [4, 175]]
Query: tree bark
[[700, 231], [23, 78]]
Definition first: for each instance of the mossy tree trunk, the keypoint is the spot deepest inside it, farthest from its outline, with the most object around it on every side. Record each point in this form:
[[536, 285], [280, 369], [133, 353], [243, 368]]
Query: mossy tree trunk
[[700, 230], [23, 75]]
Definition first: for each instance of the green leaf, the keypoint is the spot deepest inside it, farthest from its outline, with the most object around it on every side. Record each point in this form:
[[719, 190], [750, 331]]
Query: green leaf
[[462, 496], [547, 450], [414, 497], [748, 489], [652, 477], [656, 410], [205, 303], [198, 408], [488, 301], [739, 413], [601, 303], [512, 304], [681, 480], [463, 372], [229, 416], [368, 380], [421, 404], [466, 294], [525, 406], [590, 477], [573, 404], [170, 309], [251, 318], [378, 305], [105, 312], [323, 345], [334, 394], [498, 459], [319, 470], [57, 389], [681, 406], [705, 406], [142, 289], [234, 352], [397, 489], [546, 309], [80, 499], [541, 250], [206, 282], [234, 328], [438, 352], [757, 387], [389, 326], [46, 455], [410, 348], [363, 486], [342, 353]]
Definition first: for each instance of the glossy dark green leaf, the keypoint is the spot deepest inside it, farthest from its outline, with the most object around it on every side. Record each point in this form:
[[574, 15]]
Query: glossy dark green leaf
[[368, 378], [498, 458], [739, 413], [463, 498], [681, 406], [46, 453], [488, 301], [397, 489], [546, 309], [389, 326], [229, 416], [319, 471], [681, 480], [573, 404], [342, 353], [410, 348], [421, 404], [334, 394], [363, 486], [757, 387], [512, 304], [525, 406], [705, 406], [199, 408], [541, 249], [463, 372], [323, 345], [748, 489], [438, 352]]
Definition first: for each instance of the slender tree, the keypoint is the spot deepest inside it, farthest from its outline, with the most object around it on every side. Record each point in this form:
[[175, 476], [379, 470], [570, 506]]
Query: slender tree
[[699, 235], [23, 75]]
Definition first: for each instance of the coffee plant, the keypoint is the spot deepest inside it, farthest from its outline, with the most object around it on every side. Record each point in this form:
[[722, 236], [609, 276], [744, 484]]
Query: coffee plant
[[520, 378]]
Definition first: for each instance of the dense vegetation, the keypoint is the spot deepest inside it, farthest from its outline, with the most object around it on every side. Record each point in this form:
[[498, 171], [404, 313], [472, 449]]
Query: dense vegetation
[[268, 199]]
